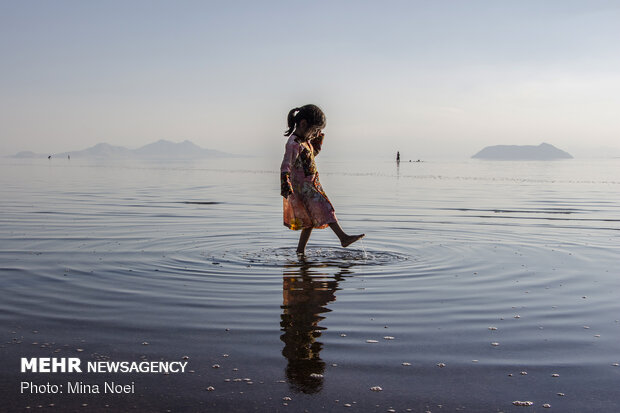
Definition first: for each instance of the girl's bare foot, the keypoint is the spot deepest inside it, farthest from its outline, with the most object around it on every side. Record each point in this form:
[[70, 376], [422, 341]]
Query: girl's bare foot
[[350, 239]]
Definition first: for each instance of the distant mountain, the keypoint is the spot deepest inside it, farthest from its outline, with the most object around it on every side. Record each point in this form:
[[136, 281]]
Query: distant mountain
[[160, 150], [185, 150], [101, 150], [542, 152], [26, 154]]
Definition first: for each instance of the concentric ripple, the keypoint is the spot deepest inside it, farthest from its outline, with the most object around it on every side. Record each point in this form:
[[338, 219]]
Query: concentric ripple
[[326, 256]]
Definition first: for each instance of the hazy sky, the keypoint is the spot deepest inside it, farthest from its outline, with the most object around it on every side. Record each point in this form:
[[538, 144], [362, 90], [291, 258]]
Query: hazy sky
[[429, 78]]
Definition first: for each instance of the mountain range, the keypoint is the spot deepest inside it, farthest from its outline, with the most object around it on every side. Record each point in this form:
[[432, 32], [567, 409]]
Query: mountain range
[[161, 149]]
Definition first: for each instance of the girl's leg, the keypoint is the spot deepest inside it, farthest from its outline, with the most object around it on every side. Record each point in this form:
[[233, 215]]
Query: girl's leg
[[303, 240], [345, 240]]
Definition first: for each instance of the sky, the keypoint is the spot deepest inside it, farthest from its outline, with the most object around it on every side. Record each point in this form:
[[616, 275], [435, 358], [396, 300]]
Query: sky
[[431, 79]]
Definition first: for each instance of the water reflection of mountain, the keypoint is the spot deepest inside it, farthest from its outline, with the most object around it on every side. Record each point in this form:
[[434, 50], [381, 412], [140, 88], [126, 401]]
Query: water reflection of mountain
[[306, 291]]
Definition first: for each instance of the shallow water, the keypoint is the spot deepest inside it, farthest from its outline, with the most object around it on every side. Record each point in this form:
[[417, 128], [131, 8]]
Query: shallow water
[[192, 259]]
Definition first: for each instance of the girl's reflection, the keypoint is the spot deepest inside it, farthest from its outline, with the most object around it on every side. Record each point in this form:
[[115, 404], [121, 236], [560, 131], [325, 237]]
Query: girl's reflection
[[306, 290]]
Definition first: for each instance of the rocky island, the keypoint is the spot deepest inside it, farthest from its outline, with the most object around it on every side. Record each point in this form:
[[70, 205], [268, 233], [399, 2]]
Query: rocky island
[[542, 152]]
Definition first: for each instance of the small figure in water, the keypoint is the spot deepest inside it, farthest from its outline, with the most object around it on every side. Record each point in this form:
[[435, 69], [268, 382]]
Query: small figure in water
[[306, 205], [397, 156]]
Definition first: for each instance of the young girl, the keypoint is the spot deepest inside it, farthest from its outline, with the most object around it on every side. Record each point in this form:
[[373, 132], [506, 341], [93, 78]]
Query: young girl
[[305, 204]]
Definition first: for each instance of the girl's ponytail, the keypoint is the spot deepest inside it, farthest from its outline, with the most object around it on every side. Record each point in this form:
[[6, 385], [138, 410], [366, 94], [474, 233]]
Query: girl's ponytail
[[311, 113], [291, 121]]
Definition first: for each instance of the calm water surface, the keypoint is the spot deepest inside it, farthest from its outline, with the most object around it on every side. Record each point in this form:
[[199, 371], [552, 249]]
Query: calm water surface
[[488, 268]]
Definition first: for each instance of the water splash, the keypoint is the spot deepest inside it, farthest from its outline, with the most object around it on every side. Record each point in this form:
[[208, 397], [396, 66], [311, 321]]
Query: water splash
[[324, 256], [364, 249]]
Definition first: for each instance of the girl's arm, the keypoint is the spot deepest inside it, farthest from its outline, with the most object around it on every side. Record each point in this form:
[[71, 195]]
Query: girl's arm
[[317, 143], [290, 155]]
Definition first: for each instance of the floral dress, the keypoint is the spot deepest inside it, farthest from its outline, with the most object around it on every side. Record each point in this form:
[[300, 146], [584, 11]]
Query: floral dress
[[305, 202]]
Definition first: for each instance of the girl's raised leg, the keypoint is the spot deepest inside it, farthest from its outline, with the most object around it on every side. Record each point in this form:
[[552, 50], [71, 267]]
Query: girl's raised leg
[[345, 239], [303, 240]]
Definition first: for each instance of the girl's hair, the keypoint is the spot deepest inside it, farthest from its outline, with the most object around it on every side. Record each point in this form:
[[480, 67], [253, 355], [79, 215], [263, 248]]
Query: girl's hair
[[311, 113]]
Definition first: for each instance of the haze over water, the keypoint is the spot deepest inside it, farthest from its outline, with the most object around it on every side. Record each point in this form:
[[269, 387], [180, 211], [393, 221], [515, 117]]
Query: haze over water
[[488, 268]]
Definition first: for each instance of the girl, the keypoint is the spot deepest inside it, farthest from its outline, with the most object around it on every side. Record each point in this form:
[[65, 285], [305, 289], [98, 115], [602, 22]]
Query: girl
[[305, 204]]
